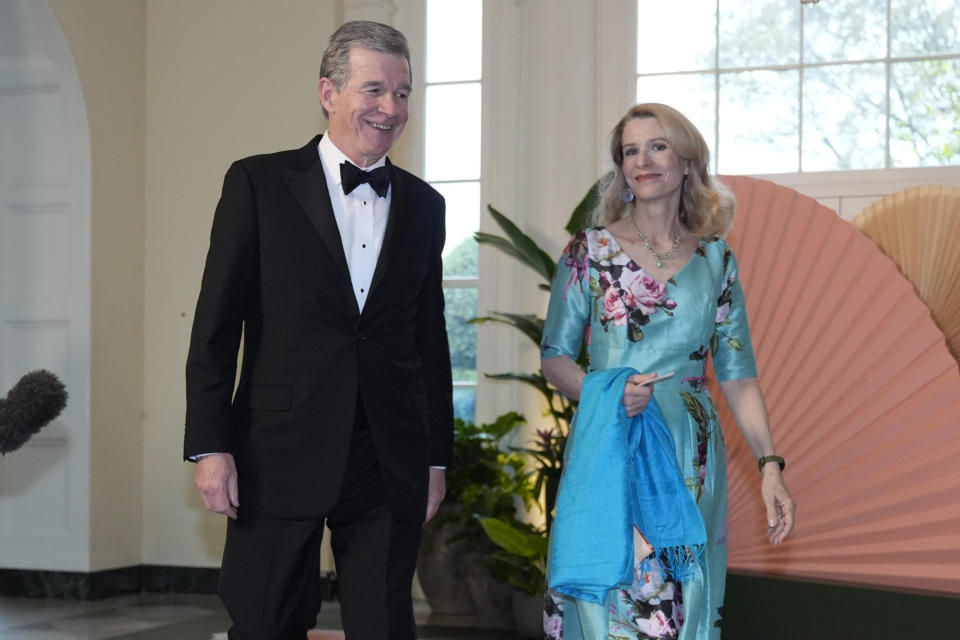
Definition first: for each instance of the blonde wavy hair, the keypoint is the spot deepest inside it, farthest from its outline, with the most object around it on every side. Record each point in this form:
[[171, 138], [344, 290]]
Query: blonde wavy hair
[[706, 205]]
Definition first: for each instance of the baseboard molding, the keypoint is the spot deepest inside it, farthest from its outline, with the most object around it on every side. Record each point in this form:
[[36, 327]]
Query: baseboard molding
[[28, 583], [766, 608], [166, 579]]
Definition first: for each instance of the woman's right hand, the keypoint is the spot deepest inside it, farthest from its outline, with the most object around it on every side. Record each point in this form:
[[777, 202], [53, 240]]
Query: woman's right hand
[[636, 396]]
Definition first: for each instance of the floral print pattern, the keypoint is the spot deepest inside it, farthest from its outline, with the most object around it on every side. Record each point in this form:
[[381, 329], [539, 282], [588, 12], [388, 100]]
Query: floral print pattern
[[552, 616], [724, 305], [703, 419], [625, 294], [651, 608]]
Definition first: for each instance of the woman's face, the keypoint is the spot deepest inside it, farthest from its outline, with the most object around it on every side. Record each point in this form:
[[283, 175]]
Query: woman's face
[[652, 169]]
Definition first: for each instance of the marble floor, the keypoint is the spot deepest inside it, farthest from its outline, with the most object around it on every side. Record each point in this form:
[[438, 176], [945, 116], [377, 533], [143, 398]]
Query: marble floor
[[156, 616]]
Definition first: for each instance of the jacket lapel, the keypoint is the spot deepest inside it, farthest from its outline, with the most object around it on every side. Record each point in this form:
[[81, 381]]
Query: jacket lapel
[[309, 186], [398, 208]]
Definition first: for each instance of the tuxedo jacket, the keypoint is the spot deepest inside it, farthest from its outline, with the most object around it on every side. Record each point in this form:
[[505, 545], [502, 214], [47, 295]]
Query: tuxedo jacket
[[276, 274]]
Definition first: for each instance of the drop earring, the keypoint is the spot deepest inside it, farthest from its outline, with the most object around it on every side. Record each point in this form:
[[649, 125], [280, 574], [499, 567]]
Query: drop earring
[[627, 196]]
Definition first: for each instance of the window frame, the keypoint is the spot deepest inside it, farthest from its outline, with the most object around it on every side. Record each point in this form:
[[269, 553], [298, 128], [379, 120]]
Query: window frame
[[458, 282], [801, 66]]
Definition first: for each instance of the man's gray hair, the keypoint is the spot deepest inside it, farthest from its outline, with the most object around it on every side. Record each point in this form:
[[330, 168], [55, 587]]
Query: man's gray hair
[[365, 35]]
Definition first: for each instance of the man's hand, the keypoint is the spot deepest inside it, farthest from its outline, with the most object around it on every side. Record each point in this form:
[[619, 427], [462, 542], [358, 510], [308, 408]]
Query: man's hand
[[436, 491], [216, 480]]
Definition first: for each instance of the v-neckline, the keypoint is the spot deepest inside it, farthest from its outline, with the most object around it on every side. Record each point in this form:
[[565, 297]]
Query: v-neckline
[[664, 283]]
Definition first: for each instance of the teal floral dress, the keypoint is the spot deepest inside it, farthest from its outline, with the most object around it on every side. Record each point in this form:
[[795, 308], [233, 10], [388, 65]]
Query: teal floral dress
[[628, 318]]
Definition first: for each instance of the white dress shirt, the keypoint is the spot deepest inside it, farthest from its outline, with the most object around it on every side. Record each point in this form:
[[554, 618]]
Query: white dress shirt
[[361, 218]]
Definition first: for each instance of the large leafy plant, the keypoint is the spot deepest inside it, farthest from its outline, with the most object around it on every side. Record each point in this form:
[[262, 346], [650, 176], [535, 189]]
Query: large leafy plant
[[521, 559], [483, 479]]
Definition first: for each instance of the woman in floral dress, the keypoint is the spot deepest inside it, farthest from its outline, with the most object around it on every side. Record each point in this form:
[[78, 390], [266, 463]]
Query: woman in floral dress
[[654, 286]]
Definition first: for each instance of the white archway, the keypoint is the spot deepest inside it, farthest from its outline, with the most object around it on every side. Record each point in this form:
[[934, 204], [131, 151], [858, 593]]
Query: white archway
[[45, 211]]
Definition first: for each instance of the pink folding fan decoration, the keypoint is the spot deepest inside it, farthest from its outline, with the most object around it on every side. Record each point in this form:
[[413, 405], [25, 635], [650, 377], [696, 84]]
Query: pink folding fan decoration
[[864, 402]]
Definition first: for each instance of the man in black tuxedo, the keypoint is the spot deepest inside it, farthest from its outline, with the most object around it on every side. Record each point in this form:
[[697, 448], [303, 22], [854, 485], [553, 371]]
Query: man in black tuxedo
[[326, 260]]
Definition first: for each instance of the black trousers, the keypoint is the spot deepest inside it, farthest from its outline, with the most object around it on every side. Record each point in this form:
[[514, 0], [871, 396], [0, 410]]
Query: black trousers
[[269, 579]]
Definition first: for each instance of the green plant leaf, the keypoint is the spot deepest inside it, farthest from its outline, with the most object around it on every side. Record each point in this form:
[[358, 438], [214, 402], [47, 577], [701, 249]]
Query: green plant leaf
[[529, 324], [526, 544], [504, 424], [579, 219], [537, 381], [525, 249], [516, 571], [502, 244]]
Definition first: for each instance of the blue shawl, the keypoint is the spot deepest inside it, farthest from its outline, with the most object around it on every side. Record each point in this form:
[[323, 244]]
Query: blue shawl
[[619, 472]]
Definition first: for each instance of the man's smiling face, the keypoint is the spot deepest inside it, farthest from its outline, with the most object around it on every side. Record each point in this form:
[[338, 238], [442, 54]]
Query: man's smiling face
[[368, 114]]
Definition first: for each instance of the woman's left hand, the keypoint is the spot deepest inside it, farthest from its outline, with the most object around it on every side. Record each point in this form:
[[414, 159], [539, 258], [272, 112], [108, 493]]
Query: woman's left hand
[[781, 509]]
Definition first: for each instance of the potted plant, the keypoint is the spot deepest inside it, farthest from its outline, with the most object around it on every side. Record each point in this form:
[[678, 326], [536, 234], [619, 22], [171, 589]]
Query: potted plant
[[521, 561], [484, 480]]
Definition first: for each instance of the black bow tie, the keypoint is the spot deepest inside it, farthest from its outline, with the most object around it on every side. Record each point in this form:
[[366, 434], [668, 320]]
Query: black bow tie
[[352, 176]]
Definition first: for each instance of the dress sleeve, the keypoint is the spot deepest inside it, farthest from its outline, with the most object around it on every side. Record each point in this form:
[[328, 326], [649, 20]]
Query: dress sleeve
[[568, 316], [730, 346]]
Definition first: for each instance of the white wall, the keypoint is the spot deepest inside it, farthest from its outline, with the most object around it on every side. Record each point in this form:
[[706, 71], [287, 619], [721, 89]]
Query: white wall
[[106, 39]]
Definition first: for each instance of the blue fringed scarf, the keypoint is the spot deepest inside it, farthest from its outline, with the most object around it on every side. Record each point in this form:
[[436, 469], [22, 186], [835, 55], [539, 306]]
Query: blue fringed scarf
[[619, 472]]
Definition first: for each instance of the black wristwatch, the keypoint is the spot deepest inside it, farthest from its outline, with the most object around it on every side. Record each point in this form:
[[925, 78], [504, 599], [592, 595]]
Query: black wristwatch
[[765, 459]]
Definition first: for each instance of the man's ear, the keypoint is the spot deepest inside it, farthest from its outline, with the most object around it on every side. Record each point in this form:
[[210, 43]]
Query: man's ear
[[328, 94]]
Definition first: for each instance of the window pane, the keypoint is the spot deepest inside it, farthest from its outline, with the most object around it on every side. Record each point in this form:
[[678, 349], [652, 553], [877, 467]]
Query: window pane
[[454, 30], [463, 219], [692, 94], [453, 132], [841, 31], [924, 112], [465, 403], [844, 117], [758, 122], [462, 306], [924, 27], [758, 33], [657, 49]]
